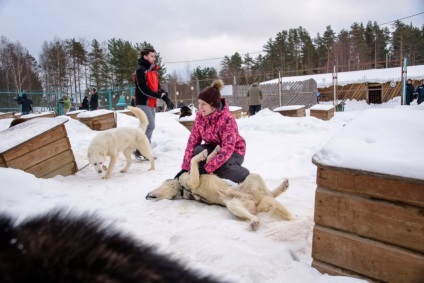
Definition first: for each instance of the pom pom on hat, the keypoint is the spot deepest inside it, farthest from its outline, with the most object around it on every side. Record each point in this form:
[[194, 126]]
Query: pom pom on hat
[[211, 94]]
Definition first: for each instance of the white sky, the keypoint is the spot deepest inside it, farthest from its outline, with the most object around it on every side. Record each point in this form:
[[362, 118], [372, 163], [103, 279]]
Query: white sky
[[190, 30], [209, 238]]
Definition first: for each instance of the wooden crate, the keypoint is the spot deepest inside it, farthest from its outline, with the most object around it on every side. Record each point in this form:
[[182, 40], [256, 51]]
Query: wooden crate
[[292, 110], [126, 112], [6, 115], [39, 146], [187, 124], [368, 225], [98, 120], [74, 114], [49, 114], [323, 112], [236, 111]]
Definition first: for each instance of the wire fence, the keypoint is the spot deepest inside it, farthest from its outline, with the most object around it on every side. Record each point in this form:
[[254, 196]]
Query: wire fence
[[374, 88]]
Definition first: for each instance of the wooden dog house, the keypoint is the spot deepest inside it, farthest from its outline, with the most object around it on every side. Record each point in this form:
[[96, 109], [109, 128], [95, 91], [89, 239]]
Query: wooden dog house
[[74, 114], [39, 146], [49, 114], [292, 110], [126, 112], [187, 123], [323, 112], [98, 120], [369, 222], [236, 111], [6, 115]]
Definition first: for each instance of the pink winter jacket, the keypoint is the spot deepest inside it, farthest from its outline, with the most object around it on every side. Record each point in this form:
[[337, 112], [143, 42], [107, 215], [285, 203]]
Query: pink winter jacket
[[218, 128]]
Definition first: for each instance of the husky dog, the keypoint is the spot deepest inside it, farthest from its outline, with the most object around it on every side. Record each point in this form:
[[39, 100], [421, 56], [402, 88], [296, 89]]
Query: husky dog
[[185, 111], [57, 247], [123, 139], [244, 201]]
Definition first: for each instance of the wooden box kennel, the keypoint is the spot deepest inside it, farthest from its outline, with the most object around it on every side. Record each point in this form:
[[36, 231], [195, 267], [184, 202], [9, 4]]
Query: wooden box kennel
[[323, 112], [369, 201], [49, 114], [292, 110], [98, 120], [6, 115], [188, 124], [74, 114], [39, 146], [126, 112], [236, 111], [369, 224]]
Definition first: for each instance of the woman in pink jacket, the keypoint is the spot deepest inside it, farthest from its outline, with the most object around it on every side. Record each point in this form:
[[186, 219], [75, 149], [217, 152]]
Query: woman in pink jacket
[[215, 125]]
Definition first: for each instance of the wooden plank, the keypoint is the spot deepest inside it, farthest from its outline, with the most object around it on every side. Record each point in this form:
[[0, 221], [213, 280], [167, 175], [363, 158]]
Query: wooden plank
[[97, 123], [66, 170], [105, 125], [187, 124], [400, 225], [367, 257], [6, 115], [333, 270], [380, 186], [40, 154], [322, 114], [47, 137], [293, 112], [51, 164]]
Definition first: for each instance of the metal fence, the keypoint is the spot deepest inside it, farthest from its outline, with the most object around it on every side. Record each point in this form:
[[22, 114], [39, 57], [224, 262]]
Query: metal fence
[[112, 99], [374, 88]]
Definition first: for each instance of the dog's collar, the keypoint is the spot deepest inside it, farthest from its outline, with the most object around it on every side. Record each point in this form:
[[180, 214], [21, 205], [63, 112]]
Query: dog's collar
[[189, 195]]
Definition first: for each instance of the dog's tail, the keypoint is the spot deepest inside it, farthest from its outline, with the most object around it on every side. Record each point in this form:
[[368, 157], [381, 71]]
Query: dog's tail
[[144, 122], [270, 205], [281, 188]]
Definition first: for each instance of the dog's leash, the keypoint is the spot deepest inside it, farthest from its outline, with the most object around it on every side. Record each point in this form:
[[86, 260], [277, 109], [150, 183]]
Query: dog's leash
[[83, 167]]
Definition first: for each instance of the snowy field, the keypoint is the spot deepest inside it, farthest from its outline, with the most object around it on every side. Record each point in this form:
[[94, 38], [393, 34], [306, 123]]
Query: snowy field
[[206, 238]]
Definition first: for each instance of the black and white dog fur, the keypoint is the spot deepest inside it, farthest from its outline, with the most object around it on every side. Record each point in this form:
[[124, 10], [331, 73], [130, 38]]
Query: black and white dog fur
[[57, 247]]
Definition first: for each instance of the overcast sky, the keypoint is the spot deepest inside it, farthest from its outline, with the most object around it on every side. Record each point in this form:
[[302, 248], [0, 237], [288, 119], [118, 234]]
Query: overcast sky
[[190, 30]]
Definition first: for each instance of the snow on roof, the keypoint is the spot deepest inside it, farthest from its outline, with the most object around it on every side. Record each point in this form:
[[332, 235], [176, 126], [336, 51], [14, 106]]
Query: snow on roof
[[33, 115], [354, 77], [76, 112], [90, 114], [23, 132], [321, 107], [289, 107], [378, 141]]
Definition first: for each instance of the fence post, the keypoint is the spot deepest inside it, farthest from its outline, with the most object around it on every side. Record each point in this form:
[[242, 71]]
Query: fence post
[[335, 102], [404, 78], [109, 91]]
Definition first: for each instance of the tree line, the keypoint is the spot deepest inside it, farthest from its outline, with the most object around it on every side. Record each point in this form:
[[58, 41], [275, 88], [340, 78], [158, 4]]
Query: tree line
[[72, 66]]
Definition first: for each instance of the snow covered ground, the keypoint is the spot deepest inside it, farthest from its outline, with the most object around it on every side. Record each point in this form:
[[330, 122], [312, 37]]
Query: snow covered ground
[[207, 238]]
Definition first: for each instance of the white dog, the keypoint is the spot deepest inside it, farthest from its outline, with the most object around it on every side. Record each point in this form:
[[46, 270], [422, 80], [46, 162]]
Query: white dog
[[123, 139], [244, 200]]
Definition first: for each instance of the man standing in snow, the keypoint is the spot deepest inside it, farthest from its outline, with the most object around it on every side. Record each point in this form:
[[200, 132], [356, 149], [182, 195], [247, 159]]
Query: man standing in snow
[[420, 91], [255, 98], [148, 91], [409, 92]]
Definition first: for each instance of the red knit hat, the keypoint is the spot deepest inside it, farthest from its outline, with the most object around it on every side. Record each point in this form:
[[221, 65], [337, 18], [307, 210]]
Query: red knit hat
[[211, 94]]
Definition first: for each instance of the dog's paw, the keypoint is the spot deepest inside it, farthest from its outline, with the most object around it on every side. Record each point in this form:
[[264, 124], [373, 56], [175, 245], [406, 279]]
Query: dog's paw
[[204, 154], [254, 224], [123, 170], [285, 185], [107, 176], [151, 196], [218, 148]]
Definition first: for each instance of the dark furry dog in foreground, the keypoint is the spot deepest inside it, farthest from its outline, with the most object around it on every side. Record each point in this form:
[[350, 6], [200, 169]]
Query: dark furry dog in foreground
[[60, 248], [185, 111]]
